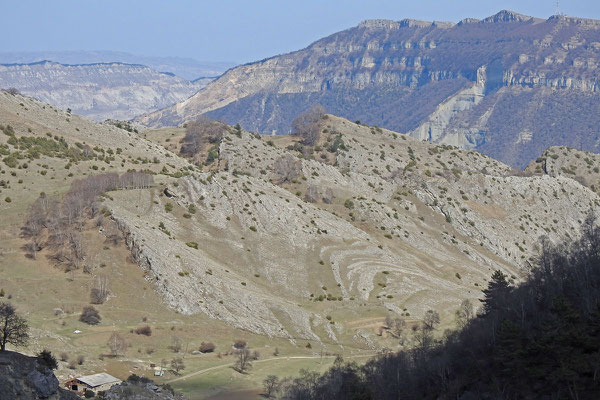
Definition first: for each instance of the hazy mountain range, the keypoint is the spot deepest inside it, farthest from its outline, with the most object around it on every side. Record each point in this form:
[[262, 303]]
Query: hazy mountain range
[[99, 91], [186, 68]]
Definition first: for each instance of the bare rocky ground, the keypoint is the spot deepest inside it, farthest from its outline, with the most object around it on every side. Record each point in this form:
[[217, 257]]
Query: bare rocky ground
[[426, 227]]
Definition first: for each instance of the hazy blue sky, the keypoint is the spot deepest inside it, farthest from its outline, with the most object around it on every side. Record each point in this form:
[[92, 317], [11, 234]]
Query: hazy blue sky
[[226, 30]]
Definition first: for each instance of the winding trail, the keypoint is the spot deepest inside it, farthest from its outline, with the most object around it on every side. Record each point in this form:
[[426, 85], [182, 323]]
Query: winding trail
[[203, 371]]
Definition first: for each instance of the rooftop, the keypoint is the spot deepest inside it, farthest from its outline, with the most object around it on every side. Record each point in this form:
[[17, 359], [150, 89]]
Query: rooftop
[[98, 379]]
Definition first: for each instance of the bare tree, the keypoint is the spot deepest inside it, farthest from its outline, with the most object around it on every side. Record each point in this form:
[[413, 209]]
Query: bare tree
[[242, 362], [200, 133], [99, 292], [177, 365], [116, 343], [328, 196], [465, 313], [431, 320], [287, 169], [312, 194], [307, 125], [271, 385], [13, 327], [176, 344]]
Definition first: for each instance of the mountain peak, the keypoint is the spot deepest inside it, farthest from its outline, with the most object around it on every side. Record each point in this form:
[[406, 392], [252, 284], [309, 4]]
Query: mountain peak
[[507, 16]]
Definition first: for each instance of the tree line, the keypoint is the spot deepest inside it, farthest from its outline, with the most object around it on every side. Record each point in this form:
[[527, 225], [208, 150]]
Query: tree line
[[540, 339], [55, 224]]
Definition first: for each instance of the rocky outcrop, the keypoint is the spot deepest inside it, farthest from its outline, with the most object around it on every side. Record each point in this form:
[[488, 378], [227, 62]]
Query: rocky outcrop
[[99, 91], [24, 378], [140, 388]]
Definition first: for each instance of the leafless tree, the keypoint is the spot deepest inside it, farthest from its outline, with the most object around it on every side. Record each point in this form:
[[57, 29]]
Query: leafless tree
[[312, 194], [116, 343], [99, 293], [177, 365], [307, 125], [242, 362], [328, 196], [176, 344], [287, 169], [465, 313], [200, 133], [13, 327], [431, 320], [271, 385]]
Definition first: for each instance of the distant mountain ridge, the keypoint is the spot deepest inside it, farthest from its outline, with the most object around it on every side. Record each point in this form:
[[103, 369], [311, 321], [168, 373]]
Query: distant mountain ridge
[[101, 90], [186, 68], [509, 85]]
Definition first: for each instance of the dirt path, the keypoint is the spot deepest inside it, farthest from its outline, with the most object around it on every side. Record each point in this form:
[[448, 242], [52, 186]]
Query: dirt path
[[216, 367]]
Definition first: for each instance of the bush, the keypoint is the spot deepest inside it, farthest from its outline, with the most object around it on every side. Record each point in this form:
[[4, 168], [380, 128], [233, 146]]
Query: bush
[[240, 344], [207, 347], [193, 245], [144, 330], [46, 359], [90, 316]]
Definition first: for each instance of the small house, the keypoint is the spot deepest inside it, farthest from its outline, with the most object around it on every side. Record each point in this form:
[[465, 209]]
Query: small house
[[95, 383]]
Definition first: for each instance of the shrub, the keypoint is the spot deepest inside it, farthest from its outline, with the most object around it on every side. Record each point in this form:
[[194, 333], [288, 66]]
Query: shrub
[[46, 359], [240, 344], [90, 316], [168, 207], [207, 347], [193, 245], [144, 330]]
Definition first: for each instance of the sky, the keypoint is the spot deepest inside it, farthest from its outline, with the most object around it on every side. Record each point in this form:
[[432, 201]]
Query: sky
[[227, 30]]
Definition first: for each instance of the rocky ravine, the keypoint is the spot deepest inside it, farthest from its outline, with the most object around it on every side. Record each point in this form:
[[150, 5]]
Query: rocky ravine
[[99, 91], [429, 79], [425, 227]]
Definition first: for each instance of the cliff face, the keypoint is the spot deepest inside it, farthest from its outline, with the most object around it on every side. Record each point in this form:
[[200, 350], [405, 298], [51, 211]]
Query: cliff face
[[418, 77], [99, 91]]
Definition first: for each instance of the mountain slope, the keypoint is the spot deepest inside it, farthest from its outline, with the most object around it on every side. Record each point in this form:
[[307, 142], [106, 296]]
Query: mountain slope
[[98, 91], [447, 83], [292, 249], [406, 226]]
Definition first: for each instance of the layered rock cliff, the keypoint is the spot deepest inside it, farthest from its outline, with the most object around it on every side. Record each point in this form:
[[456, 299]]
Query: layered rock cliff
[[426, 78], [99, 91]]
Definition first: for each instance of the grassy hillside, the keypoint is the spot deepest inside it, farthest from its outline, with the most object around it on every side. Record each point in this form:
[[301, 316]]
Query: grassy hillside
[[302, 251]]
